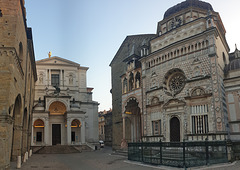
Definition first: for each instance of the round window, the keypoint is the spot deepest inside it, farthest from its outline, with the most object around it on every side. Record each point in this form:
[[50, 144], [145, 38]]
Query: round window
[[176, 83]]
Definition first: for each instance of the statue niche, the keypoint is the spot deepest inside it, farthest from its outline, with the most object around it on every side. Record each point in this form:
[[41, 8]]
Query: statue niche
[[70, 79]]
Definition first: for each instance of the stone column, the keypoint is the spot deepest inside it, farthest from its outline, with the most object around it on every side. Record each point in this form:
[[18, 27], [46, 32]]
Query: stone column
[[46, 131], [82, 131], [68, 131], [49, 80], [124, 142], [124, 128], [60, 79], [32, 134]]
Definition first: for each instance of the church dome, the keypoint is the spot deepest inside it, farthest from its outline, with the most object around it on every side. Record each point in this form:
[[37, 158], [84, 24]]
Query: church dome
[[186, 4], [234, 64]]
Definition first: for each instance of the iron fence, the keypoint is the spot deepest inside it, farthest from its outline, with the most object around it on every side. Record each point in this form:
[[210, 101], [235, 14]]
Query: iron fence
[[179, 154]]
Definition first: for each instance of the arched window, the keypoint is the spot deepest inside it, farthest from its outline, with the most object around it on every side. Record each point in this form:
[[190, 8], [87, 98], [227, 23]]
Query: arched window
[[207, 43], [38, 123], [138, 80], [76, 123], [131, 81], [125, 85]]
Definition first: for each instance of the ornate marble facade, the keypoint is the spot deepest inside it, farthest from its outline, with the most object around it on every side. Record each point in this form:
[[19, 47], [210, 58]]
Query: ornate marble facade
[[181, 93], [64, 111]]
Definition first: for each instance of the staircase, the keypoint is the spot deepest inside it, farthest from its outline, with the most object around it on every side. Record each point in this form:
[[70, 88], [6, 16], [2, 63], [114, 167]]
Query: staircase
[[57, 149]]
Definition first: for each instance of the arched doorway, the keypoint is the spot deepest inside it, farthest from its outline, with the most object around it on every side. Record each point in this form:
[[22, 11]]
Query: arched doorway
[[133, 121], [17, 129], [57, 111], [38, 132], [174, 130], [75, 131]]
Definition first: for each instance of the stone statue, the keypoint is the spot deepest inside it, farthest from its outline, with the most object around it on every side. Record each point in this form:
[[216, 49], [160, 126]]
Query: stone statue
[[57, 91], [49, 54], [137, 84], [70, 79], [40, 79], [125, 88]]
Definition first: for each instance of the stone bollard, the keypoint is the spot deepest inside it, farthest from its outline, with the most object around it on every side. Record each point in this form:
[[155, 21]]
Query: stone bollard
[[26, 156], [30, 153], [18, 162]]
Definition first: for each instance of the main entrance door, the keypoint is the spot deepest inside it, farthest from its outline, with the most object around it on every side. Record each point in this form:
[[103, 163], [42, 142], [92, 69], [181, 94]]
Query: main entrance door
[[56, 134], [174, 130]]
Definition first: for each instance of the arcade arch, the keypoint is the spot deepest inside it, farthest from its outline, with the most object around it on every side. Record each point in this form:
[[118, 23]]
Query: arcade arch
[[132, 121], [75, 131], [38, 132], [17, 129]]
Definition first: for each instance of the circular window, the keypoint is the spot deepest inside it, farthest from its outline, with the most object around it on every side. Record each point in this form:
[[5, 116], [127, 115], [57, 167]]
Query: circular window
[[174, 82], [177, 82]]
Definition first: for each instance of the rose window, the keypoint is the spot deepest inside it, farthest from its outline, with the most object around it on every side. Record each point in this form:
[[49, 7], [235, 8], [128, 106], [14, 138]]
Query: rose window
[[176, 83]]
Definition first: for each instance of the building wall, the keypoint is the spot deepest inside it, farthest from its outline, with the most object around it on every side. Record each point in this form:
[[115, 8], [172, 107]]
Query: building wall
[[232, 86], [118, 68], [17, 81]]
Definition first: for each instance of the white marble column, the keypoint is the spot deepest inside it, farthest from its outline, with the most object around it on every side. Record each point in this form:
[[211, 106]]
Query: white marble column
[[46, 131], [68, 131], [82, 131]]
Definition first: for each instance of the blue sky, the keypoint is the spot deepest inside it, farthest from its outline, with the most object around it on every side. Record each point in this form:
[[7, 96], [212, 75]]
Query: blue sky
[[90, 32]]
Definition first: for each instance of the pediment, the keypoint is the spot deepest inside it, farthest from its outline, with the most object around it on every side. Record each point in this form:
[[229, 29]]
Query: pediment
[[57, 61], [174, 103]]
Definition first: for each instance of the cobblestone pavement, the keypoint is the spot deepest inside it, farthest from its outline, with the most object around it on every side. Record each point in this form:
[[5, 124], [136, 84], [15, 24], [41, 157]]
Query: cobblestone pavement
[[99, 160]]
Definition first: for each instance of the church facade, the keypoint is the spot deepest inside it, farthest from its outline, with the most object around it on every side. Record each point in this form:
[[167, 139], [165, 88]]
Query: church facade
[[178, 84], [64, 112]]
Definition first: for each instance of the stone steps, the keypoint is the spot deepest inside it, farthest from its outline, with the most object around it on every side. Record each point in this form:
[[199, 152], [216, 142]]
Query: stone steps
[[35, 149], [57, 149], [120, 152]]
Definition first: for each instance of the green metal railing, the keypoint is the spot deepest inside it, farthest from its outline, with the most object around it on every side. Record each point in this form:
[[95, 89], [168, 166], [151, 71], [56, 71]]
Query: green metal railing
[[179, 154]]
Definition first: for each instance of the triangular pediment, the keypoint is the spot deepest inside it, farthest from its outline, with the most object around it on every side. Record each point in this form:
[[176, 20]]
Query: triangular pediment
[[57, 61]]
